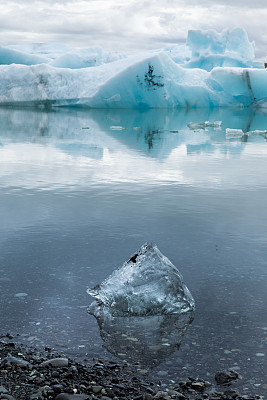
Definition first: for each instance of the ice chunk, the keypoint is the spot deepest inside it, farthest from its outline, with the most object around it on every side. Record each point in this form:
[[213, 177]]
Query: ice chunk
[[234, 133], [147, 284], [204, 125], [117, 128], [147, 340]]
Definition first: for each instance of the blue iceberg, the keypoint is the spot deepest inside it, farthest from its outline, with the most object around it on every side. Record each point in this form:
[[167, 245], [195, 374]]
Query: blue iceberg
[[212, 70]]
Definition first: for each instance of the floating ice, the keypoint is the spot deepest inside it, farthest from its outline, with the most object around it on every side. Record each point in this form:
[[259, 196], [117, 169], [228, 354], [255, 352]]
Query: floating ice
[[164, 78], [117, 128], [204, 125], [234, 133], [147, 284], [239, 133]]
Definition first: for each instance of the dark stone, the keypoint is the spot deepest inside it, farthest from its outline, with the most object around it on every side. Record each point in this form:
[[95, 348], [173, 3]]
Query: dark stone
[[199, 386], [68, 396], [56, 362], [226, 377], [231, 393]]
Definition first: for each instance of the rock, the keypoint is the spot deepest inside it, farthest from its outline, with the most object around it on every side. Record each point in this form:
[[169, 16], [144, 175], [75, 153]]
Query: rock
[[198, 386], [231, 393], [6, 397], [19, 362], [3, 390], [97, 389], [56, 362], [227, 377], [68, 396]]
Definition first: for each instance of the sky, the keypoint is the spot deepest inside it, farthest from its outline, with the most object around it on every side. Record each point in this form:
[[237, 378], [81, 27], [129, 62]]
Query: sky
[[127, 25]]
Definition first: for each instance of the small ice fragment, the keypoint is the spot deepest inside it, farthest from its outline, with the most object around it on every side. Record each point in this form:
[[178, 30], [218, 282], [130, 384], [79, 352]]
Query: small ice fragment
[[260, 354], [21, 295], [234, 133], [147, 284], [204, 125], [117, 128]]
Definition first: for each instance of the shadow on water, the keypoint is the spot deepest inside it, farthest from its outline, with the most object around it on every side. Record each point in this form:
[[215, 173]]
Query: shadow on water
[[146, 340]]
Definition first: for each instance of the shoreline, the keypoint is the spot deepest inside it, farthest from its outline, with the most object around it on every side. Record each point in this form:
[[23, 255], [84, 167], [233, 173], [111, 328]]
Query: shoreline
[[27, 373]]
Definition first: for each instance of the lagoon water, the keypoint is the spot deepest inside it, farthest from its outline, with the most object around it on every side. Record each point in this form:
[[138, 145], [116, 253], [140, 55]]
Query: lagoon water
[[81, 191]]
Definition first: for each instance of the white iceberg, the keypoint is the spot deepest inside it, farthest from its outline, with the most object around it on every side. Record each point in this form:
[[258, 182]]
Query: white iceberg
[[219, 73], [137, 82], [147, 284]]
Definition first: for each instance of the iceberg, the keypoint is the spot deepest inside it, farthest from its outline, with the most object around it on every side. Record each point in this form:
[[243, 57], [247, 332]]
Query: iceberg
[[226, 49], [136, 82], [147, 284], [219, 73]]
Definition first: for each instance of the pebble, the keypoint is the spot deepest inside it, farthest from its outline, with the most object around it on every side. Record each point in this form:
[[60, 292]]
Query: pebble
[[101, 380], [97, 389], [20, 362], [68, 396], [226, 377], [56, 362], [162, 373], [21, 295]]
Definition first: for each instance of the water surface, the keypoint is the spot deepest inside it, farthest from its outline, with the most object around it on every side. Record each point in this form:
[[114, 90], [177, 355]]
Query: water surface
[[81, 191]]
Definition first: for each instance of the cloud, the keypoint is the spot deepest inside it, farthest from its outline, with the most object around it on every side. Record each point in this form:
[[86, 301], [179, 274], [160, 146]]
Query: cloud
[[126, 26]]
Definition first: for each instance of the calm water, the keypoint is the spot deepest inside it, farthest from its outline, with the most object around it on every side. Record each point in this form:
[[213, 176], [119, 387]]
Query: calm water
[[79, 195]]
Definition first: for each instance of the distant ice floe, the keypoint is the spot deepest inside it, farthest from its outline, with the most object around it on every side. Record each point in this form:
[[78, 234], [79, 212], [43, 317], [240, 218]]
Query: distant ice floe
[[211, 70], [239, 133], [204, 125]]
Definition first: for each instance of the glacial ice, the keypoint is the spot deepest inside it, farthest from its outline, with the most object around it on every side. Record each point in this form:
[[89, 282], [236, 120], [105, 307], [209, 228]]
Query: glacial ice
[[212, 70], [147, 284], [226, 49]]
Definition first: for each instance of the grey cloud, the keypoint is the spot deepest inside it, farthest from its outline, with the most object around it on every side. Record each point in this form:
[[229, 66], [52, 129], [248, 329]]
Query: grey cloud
[[133, 25]]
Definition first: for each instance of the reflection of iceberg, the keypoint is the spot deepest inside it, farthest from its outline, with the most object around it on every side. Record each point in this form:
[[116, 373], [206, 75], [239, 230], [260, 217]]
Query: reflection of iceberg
[[147, 284], [148, 340], [82, 149]]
